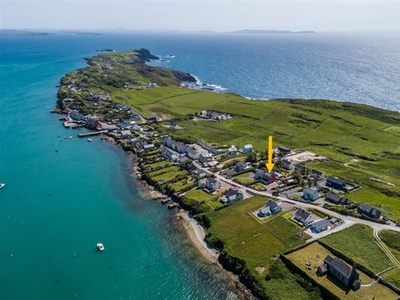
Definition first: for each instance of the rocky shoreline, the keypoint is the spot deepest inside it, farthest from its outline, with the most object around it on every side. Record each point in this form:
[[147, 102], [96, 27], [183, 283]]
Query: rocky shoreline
[[188, 226]]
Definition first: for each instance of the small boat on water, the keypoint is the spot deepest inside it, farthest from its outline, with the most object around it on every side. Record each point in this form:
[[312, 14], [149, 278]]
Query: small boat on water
[[2, 185], [100, 246], [89, 140]]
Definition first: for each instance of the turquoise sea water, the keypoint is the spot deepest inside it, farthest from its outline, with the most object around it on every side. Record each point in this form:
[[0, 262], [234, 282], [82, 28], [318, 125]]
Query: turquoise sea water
[[64, 196]]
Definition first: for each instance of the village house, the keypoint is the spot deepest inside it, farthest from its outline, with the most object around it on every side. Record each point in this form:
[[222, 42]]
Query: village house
[[310, 193], [335, 183], [193, 154], [232, 195], [93, 122], [286, 164], [320, 225], [203, 144], [169, 154], [174, 145], [317, 175], [265, 177], [247, 148], [210, 185], [301, 169], [304, 217], [198, 173], [368, 211], [214, 150], [205, 157], [284, 151], [270, 208], [341, 271], [336, 199], [232, 150], [126, 134], [240, 167]]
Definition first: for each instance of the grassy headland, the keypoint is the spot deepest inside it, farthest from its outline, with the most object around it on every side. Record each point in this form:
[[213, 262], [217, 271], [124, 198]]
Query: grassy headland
[[361, 142]]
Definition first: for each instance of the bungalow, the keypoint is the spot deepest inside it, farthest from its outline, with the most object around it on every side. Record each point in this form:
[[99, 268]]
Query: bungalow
[[341, 271], [320, 225], [284, 151], [311, 193], [304, 217], [331, 197], [286, 164], [335, 183], [270, 208], [247, 148], [232, 150], [368, 211], [240, 167], [317, 175], [233, 195]]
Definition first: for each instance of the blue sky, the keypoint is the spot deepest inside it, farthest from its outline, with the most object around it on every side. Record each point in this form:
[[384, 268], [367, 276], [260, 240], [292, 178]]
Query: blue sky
[[217, 15]]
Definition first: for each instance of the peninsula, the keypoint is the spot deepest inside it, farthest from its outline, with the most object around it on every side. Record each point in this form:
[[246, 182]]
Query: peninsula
[[322, 224]]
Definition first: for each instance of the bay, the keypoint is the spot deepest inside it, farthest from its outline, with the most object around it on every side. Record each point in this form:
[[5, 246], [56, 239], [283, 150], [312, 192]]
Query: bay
[[64, 196]]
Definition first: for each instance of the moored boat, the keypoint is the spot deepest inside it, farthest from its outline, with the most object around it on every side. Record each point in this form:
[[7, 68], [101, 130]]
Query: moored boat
[[2, 185], [100, 246]]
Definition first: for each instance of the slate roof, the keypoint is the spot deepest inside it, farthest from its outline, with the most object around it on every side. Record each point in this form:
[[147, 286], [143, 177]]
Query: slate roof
[[271, 204], [231, 192], [335, 180], [332, 197], [339, 265], [302, 214]]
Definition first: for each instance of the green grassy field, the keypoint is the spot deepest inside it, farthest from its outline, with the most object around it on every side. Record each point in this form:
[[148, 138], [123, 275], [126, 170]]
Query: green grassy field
[[201, 201], [257, 243], [249, 239], [358, 243]]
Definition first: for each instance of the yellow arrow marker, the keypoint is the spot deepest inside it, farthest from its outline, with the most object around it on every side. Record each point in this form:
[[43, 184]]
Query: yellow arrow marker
[[269, 164]]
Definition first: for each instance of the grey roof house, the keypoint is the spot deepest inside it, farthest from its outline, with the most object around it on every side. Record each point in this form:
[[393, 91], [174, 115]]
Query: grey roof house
[[270, 208], [337, 268], [304, 217], [369, 211]]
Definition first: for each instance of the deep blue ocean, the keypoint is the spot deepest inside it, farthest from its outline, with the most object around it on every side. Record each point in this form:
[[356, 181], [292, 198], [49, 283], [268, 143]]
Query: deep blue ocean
[[64, 196]]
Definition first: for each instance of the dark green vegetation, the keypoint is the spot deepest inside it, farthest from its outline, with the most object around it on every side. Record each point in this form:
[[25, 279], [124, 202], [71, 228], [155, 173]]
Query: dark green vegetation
[[358, 243]]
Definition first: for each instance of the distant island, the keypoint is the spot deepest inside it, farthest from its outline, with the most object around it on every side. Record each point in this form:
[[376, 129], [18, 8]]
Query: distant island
[[260, 31], [322, 223], [14, 32]]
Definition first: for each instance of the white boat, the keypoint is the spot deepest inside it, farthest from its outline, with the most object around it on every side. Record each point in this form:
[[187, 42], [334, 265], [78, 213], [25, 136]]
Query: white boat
[[2, 185], [89, 140], [100, 246]]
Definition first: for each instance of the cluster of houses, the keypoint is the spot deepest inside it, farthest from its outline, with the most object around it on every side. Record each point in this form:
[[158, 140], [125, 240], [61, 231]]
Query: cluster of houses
[[214, 115]]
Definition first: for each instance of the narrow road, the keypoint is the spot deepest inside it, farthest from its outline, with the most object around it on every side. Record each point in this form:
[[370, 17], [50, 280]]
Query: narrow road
[[385, 249]]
